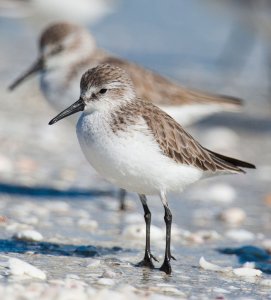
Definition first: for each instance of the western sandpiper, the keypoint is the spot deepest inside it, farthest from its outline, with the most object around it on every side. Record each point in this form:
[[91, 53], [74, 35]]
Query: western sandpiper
[[66, 51], [139, 147]]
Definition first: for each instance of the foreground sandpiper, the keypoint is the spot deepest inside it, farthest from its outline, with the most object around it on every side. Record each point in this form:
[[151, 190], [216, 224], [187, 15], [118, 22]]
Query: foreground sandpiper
[[66, 51], [139, 147]]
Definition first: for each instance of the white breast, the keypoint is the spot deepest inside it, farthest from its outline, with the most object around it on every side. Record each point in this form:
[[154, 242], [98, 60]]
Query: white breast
[[59, 93], [131, 159]]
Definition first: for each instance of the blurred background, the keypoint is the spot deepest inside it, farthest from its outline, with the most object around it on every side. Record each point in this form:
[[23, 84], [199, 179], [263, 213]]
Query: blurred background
[[217, 46]]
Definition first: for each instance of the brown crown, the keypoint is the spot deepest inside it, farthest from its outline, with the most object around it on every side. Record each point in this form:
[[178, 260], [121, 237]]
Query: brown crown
[[57, 32], [103, 74]]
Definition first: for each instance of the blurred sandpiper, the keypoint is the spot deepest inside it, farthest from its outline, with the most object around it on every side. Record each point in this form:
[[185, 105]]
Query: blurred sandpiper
[[139, 147]]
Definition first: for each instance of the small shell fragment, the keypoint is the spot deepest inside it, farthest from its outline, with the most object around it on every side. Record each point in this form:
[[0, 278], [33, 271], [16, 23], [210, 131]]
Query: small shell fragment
[[109, 274], [19, 267], [28, 235], [106, 281], [233, 216], [222, 192], [246, 272], [88, 224], [93, 263], [240, 235], [212, 267]]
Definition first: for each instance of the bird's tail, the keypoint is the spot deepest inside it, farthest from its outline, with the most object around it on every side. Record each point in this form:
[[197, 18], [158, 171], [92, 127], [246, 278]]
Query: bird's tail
[[228, 102], [232, 164]]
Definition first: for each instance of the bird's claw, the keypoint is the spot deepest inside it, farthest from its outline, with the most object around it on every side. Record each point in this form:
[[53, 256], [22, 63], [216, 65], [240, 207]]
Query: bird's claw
[[154, 258]]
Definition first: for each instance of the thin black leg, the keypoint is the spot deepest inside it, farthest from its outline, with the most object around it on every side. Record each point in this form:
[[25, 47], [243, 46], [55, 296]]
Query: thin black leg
[[122, 195], [147, 260], [166, 266]]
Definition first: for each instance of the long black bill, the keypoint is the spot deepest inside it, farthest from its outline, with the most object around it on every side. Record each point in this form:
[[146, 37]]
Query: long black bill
[[37, 66], [74, 108]]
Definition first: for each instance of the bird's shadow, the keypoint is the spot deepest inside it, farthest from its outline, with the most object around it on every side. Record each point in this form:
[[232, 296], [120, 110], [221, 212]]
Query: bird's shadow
[[50, 192], [57, 249], [259, 256]]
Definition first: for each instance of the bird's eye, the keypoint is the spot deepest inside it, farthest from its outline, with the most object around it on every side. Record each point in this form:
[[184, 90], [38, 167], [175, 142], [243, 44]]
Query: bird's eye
[[57, 50], [103, 91]]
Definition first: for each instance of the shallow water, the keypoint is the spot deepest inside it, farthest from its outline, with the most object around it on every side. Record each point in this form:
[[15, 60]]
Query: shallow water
[[46, 185]]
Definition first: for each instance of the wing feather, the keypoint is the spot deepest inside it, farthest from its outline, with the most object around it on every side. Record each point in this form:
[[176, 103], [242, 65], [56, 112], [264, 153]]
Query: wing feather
[[179, 145]]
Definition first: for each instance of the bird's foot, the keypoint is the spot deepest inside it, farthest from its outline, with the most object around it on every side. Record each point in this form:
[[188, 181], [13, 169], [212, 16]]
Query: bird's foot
[[122, 206], [172, 257], [147, 261], [122, 196], [166, 267]]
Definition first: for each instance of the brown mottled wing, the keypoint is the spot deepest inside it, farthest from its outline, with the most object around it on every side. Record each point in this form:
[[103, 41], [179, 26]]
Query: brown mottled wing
[[177, 144], [161, 91]]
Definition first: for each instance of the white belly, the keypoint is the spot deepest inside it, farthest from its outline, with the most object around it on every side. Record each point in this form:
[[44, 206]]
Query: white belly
[[131, 160]]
